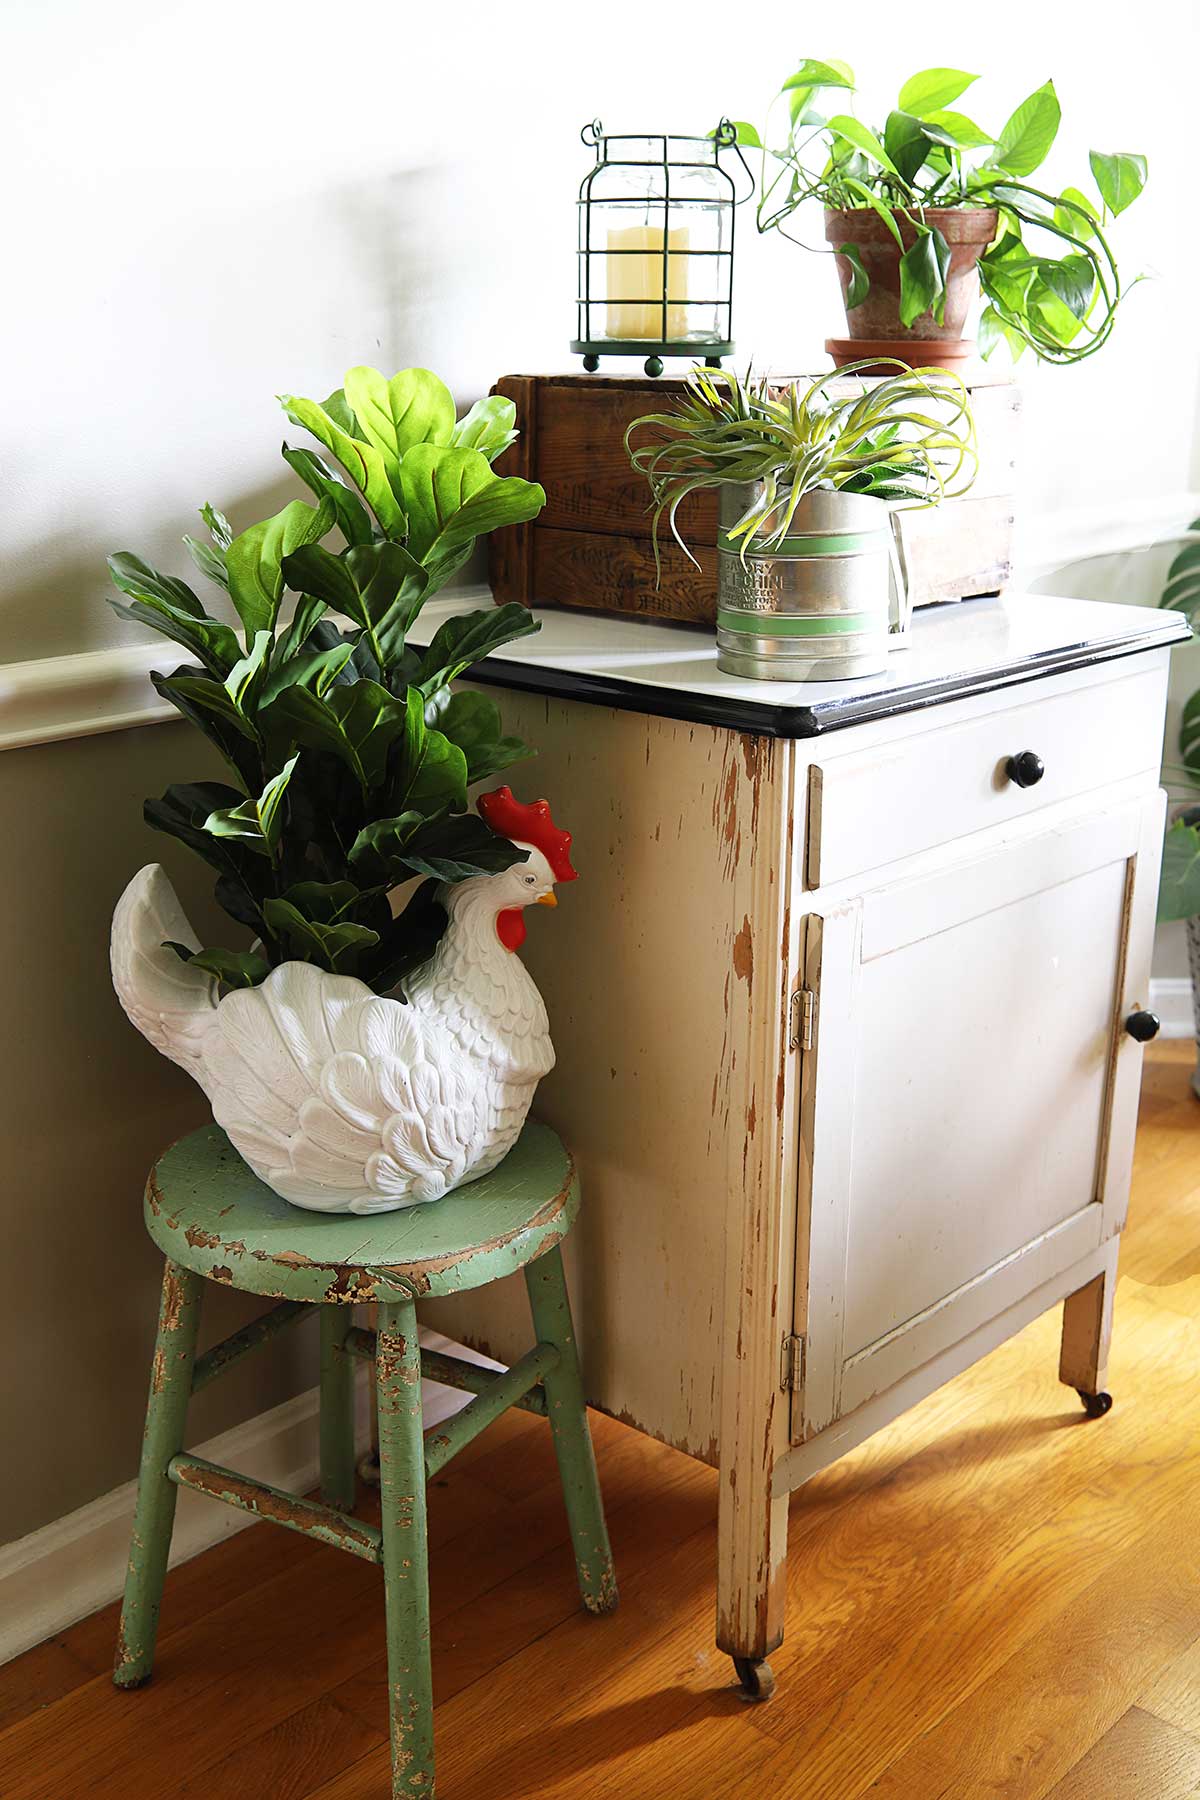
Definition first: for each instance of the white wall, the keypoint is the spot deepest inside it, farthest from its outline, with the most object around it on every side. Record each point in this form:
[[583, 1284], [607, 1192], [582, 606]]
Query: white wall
[[205, 206]]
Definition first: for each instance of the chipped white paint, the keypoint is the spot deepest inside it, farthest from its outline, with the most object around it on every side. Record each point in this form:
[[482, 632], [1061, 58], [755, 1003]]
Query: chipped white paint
[[949, 1158]]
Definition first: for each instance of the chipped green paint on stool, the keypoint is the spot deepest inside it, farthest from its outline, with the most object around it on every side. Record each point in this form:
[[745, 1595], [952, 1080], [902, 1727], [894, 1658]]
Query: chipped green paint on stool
[[215, 1220]]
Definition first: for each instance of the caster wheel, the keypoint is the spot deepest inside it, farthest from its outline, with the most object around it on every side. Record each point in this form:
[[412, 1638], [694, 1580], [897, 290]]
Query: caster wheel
[[368, 1468], [653, 365], [1095, 1405], [591, 364], [757, 1678]]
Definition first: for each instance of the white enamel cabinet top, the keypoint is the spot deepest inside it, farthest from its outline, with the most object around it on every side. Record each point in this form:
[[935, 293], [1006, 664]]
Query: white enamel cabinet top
[[962, 648]]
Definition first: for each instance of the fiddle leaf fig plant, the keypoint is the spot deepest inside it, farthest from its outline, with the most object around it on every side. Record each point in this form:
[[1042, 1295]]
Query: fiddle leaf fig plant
[[1058, 294], [350, 756]]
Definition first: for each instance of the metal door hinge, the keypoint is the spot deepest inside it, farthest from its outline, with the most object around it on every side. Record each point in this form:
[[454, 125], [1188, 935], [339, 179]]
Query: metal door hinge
[[791, 1367], [803, 1017]]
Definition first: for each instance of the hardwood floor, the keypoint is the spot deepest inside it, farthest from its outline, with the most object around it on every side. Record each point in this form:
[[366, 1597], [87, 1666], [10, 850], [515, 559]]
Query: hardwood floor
[[994, 1597]]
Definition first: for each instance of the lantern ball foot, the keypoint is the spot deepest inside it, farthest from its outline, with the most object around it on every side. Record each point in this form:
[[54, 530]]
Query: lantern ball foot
[[712, 362], [653, 365], [591, 364]]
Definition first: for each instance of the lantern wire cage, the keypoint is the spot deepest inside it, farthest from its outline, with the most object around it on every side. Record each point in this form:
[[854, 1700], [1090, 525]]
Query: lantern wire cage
[[656, 214]]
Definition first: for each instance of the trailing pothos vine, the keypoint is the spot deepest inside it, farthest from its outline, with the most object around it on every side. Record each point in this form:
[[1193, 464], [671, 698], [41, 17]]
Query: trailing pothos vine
[[1060, 299], [349, 753]]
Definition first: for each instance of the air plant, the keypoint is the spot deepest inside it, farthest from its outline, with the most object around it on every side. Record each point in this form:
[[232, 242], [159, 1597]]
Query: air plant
[[909, 437]]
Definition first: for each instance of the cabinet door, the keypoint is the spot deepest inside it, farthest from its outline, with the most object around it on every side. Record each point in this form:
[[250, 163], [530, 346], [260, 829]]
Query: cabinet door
[[968, 1101]]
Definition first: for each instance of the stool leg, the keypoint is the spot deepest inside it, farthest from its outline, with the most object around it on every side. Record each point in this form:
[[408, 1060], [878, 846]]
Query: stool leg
[[337, 1408], [154, 1517], [551, 1308], [405, 1560]]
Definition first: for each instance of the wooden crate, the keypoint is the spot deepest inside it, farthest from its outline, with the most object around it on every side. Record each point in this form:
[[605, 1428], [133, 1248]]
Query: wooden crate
[[590, 546]]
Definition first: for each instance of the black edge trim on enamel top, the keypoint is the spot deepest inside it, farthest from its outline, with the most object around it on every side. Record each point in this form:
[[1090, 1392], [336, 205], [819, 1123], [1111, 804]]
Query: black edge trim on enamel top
[[805, 721]]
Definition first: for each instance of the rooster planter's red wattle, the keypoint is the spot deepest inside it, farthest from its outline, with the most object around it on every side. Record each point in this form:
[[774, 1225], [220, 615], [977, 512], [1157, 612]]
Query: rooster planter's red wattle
[[341, 1099]]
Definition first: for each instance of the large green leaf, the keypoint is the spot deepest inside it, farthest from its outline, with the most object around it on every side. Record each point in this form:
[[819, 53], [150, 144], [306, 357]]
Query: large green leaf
[[220, 530], [247, 675], [931, 89], [353, 519], [357, 723], [1182, 590], [923, 270], [489, 427], [379, 586], [815, 74], [1179, 891], [414, 407], [181, 813], [256, 823], [332, 947], [472, 721], [1024, 142], [1189, 736], [137, 579], [211, 642], [955, 129], [209, 559], [429, 774], [315, 669], [993, 331], [906, 143], [1072, 279], [361, 461], [255, 557], [447, 849], [1120, 177], [232, 968], [1075, 213], [453, 497], [411, 941], [202, 700], [845, 125], [304, 620], [468, 638]]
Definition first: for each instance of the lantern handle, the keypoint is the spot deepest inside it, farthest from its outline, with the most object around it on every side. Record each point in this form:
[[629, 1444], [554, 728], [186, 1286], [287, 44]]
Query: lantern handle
[[725, 137], [592, 134]]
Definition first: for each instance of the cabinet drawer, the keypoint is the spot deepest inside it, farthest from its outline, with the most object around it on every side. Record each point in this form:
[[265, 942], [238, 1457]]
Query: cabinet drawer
[[871, 807]]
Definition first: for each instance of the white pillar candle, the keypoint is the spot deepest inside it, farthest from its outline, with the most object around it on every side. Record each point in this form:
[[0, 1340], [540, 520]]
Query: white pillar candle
[[635, 282]]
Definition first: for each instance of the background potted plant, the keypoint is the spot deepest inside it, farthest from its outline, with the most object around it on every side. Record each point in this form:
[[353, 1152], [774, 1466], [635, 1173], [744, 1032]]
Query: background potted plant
[[807, 479], [933, 205], [1179, 890], [351, 759]]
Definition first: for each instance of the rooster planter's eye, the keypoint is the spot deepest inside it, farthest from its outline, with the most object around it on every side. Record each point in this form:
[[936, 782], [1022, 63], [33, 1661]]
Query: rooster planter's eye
[[341, 1099]]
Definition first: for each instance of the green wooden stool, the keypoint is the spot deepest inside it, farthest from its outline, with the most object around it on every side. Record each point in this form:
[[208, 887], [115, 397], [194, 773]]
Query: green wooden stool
[[216, 1221]]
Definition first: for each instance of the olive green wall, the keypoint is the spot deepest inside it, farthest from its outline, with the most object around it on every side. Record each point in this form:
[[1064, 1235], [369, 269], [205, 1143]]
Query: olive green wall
[[85, 1105]]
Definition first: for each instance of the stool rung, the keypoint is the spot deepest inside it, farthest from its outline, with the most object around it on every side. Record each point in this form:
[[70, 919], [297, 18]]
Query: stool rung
[[260, 1331], [289, 1510], [451, 1371], [503, 1390]]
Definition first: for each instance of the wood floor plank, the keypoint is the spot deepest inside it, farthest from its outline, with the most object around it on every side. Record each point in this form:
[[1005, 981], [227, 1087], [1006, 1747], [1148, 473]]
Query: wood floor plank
[[1138, 1758], [37, 1679], [991, 1598]]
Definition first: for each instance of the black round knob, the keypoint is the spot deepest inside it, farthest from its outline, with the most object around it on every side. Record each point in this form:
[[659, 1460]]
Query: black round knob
[[1143, 1025], [1026, 768]]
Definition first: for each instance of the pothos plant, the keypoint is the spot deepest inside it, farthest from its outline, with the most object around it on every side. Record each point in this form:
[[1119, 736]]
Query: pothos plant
[[1059, 295], [350, 755], [1179, 891]]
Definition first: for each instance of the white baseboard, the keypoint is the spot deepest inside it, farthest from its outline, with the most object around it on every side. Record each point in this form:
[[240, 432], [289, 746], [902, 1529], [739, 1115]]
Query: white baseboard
[[1172, 1001], [69, 1569]]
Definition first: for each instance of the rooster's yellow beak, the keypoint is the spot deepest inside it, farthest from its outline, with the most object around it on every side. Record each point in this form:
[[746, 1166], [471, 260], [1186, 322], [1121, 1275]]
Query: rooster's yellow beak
[[547, 900]]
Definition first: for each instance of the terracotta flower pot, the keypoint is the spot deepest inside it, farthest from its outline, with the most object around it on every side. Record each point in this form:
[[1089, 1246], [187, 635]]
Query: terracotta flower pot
[[874, 328]]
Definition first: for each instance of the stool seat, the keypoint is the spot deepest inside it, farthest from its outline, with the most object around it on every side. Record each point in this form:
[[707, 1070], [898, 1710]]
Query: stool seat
[[209, 1213]]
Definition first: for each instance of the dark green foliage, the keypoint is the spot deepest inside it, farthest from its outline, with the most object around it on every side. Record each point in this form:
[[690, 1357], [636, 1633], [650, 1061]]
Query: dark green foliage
[[1060, 299], [351, 754]]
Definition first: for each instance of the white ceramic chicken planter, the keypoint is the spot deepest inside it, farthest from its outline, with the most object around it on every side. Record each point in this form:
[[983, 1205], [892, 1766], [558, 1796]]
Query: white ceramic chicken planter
[[341, 1099]]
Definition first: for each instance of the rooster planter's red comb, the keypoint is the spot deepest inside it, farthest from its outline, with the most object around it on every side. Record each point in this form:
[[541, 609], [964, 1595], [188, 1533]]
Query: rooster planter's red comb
[[532, 824]]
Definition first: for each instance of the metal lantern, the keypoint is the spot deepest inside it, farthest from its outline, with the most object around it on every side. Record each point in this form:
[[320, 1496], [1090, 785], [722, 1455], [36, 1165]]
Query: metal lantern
[[656, 248]]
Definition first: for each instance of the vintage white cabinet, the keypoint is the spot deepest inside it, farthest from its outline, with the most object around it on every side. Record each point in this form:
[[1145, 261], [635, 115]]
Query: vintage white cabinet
[[846, 1008]]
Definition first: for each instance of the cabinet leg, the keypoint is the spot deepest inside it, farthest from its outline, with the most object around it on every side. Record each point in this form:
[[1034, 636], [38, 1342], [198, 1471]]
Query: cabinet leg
[[1086, 1335], [751, 1585]]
